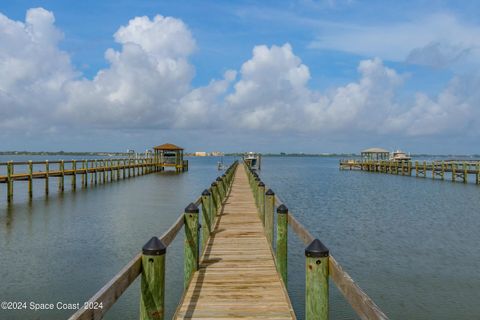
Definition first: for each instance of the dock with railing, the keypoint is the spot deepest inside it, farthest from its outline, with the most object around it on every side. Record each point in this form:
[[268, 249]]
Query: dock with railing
[[94, 170], [456, 171], [234, 266]]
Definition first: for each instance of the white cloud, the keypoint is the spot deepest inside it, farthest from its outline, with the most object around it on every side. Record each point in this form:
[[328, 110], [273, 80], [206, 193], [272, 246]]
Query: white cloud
[[438, 40], [147, 85]]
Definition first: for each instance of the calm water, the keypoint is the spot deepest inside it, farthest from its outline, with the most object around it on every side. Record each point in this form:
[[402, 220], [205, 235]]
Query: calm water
[[412, 244]]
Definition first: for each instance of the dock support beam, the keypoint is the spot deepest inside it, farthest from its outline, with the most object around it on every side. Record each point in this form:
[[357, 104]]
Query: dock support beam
[[152, 299], [268, 212], [30, 179], [282, 241], [9, 181], [261, 201], [47, 169], [74, 175], [316, 284], [191, 242], [61, 179], [206, 217]]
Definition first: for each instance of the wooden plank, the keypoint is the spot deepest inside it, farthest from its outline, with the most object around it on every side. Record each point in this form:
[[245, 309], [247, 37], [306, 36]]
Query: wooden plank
[[237, 276]]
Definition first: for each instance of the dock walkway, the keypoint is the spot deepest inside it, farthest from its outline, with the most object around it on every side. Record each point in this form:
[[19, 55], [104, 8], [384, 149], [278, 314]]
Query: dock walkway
[[237, 276]]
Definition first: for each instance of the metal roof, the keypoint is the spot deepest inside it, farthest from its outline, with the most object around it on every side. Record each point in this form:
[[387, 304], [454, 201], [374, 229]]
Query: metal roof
[[167, 146], [375, 150]]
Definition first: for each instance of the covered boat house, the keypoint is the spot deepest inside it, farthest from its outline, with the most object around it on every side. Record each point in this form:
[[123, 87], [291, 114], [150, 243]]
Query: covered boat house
[[170, 156], [375, 154]]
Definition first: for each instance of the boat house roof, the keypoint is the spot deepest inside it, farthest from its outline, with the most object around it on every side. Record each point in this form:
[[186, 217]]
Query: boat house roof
[[167, 146], [375, 150]]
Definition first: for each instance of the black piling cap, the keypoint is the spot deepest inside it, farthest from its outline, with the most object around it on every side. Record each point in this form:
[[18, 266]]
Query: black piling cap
[[261, 184], [154, 247], [282, 209], [206, 193], [224, 175], [191, 208], [214, 184], [270, 193], [219, 179], [316, 249], [257, 179]]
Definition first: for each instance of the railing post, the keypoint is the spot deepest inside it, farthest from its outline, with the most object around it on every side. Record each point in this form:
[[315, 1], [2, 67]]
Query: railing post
[[206, 217], [152, 299], [221, 190], [282, 241], [261, 200], [256, 181], [316, 281], [215, 197], [191, 242], [74, 175], [47, 169], [61, 179], [30, 179], [267, 217], [9, 181]]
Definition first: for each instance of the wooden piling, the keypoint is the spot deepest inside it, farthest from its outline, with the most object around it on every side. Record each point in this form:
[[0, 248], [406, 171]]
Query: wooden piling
[[454, 172], [268, 212], [61, 179], [30, 179], [206, 217], [152, 298], [261, 201], [47, 169], [191, 242], [74, 175], [316, 281], [281, 252], [10, 170]]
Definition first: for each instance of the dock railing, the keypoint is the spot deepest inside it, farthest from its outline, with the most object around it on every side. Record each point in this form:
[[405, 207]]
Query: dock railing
[[320, 265], [456, 171], [150, 263], [95, 170]]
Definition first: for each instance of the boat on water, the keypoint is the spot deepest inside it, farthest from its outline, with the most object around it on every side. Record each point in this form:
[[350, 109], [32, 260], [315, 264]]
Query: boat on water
[[253, 160], [399, 156], [221, 165]]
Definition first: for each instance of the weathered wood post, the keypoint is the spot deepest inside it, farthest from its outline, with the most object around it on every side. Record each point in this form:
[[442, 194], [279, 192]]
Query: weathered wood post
[[215, 196], [416, 168], [221, 190], [152, 299], [465, 172], [191, 242], [74, 175], [454, 172], [282, 241], [84, 175], [424, 169], [261, 201], [61, 179], [104, 172], [96, 171], [30, 179], [10, 169], [442, 173], [92, 174], [256, 181], [206, 217], [118, 169], [47, 169], [267, 218], [316, 281]]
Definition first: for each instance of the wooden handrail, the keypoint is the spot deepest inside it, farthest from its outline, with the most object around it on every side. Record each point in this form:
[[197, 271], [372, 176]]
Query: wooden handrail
[[114, 288]]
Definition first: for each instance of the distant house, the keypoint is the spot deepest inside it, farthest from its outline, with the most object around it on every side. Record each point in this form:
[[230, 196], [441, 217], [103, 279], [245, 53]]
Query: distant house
[[200, 154]]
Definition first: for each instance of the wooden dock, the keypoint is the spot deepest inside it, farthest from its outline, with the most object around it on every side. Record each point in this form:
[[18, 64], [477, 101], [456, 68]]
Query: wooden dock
[[95, 170], [230, 267], [237, 276], [456, 171]]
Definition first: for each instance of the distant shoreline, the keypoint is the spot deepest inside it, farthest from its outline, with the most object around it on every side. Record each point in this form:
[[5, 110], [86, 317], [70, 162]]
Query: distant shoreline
[[237, 154]]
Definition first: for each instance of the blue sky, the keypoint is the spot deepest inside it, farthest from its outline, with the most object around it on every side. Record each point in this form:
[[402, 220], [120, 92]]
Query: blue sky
[[344, 75]]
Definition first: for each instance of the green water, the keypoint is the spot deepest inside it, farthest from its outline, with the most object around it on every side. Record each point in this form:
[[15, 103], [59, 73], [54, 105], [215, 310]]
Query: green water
[[411, 244]]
